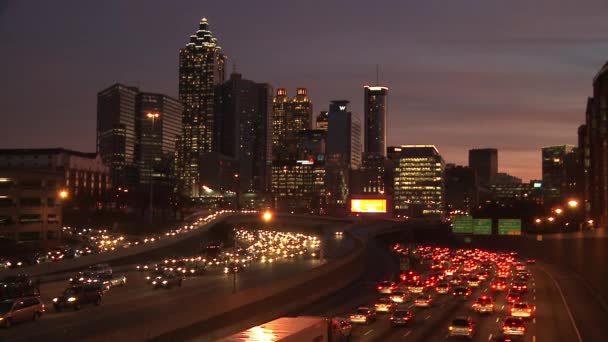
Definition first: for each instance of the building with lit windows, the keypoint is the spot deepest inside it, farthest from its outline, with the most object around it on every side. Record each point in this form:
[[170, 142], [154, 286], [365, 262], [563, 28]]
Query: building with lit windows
[[375, 119], [505, 193], [461, 191], [83, 175], [299, 185], [289, 117], [418, 181], [280, 108], [201, 69], [322, 120], [374, 176], [116, 136], [30, 205], [559, 173], [243, 109]]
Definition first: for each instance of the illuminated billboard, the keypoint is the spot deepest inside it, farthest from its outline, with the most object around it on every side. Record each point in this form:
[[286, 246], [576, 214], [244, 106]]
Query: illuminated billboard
[[368, 205]]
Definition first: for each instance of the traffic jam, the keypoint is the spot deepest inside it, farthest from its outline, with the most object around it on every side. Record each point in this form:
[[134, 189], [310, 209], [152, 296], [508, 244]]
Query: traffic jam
[[493, 287], [25, 299]]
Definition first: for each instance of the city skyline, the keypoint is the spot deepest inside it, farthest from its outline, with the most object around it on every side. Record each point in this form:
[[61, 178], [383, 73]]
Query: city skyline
[[433, 75]]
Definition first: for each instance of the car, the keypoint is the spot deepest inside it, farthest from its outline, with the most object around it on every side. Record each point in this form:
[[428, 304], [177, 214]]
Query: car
[[503, 273], [462, 326], [513, 296], [234, 267], [386, 287], [520, 267], [82, 277], [167, 281], [473, 281], [513, 326], [522, 309], [530, 261], [101, 269], [520, 286], [442, 288], [499, 285], [384, 304], [363, 315], [462, 292], [343, 326], [423, 301], [524, 275], [416, 287], [152, 275], [192, 270], [113, 280], [455, 281], [398, 297], [401, 317], [484, 304], [75, 296], [483, 275], [20, 310], [146, 267]]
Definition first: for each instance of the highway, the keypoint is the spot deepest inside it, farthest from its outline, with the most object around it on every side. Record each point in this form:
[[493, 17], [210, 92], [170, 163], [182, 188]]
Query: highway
[[552, 321], [137, 301]]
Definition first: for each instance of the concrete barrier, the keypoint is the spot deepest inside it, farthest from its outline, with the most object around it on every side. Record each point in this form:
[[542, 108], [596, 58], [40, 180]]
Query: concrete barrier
[[255, 305], [85, 261]]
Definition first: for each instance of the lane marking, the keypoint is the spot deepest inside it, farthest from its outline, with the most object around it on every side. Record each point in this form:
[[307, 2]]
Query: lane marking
[[559, 289], [534, 297], [534, 338], [407, 333], [427, 317], [497, 319], [369, 332], [534, 320], [502, 307], [490, 337]]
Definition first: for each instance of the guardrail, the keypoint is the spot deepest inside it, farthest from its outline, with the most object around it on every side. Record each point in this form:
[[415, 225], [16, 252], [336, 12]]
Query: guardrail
[[85, 261], [253, 306]]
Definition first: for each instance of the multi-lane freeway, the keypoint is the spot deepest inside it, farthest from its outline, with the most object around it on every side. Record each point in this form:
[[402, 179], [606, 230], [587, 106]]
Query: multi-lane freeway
[[554, 320], [136, 301]]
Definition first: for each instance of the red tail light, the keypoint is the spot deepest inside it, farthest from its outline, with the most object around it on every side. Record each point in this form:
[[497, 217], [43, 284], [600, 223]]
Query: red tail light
[[379, 287]]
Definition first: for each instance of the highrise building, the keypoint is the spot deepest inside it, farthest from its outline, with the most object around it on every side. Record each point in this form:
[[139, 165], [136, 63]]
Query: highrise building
[[116, 136], [485, 164], [280, 110], [322, 120], [418, 181], [201, 69], [157, 126], [243, 122], [375, 119], [344, 134], [559, 173], [300, 113], [461, 191]]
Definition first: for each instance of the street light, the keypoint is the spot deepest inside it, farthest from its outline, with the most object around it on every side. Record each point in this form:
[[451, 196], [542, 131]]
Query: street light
[[538, 220], [558, 211], [267, 216], [551, 219], [152, 116], [63, 194]]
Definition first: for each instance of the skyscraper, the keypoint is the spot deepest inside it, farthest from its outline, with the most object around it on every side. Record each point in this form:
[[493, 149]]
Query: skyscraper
[[485, 164], [559, 173], [418, 180], [376, 112], [201, 69], [243, 119], [157, 125], [322, 120], [344, 134], [116, 133], [280, 109]]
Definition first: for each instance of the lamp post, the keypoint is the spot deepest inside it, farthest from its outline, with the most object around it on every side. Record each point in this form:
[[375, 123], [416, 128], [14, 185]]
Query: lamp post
[[63, 196], [237, 182], [152, 116]]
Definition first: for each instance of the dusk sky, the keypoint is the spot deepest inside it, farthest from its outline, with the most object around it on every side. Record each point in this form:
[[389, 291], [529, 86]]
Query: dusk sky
[[513, 75]]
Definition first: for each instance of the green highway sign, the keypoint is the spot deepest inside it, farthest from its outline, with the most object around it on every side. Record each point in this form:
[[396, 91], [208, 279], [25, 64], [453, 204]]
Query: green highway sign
[[463, 224], [509, 227], [482, 226]]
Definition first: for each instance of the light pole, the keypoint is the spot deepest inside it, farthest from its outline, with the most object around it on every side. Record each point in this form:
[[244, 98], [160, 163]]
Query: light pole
[[152, 116], [237, 181]]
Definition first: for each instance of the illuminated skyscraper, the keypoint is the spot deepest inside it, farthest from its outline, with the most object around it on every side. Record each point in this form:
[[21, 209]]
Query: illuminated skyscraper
[[375, 116], [559, 173], [418, 180], [300, 113], [201, 69], [322, 120], [280, 108]]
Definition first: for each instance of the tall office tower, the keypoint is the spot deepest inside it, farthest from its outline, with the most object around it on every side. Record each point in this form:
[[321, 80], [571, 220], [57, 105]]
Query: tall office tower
[[375, 117], [116, 133], [485, 164], [158, 123], [300, 113], [242, 121], [201, 69], [418, 180], [322, 120], [559, 172], [460, 189], [344, 134], [280, 109]]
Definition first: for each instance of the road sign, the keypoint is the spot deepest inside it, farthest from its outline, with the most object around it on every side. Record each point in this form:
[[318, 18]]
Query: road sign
[[463, 224], [482, 226], [509, 227]]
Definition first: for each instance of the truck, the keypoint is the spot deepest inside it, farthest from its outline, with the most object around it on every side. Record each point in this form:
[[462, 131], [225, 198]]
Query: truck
[[296, 329]]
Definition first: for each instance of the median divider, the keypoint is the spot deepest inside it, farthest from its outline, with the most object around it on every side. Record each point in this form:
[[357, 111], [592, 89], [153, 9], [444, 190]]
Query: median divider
[[88, 260], [223, 315]]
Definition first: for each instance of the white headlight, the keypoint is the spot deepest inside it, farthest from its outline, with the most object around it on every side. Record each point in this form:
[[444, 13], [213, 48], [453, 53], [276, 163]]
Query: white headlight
[[55, 300], [164, 282], [72, 299]]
